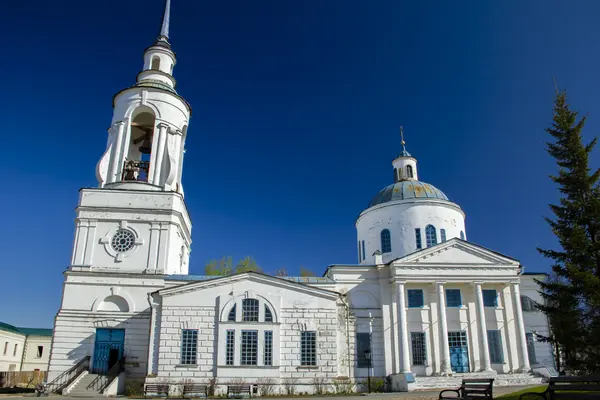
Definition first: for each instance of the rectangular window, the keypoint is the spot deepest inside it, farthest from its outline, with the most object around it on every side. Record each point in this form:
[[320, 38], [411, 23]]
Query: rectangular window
[[527, 304], [268, 348], [15, 350], [418, 237], [495, 346], [490, 298], [40, 351], [531, 348], [419, 348], [363, 249], [415, 298], [443, 234], [249, 348], [189, 346], [363, 343], [453, 298], [250, 310], [5, 348], [230, 347], [308, 348]]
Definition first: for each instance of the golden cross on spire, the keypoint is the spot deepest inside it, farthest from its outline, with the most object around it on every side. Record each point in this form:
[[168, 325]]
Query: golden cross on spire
[[402, 135]]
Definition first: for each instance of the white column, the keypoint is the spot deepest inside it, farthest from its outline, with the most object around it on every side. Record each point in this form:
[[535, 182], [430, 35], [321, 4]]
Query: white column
[[160, 153], [525, 367], [119, 148], [445, 362], [403, 328], [483, 329]]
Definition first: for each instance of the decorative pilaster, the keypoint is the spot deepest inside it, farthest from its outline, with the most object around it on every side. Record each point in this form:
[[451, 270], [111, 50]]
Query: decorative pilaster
[[403, 328], [445, 362], [525, 367], [482, 328], [118, 153]]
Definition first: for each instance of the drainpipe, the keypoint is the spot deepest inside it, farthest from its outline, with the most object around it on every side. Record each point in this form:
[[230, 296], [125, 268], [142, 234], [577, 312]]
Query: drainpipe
[[347, 331], [23, 352]]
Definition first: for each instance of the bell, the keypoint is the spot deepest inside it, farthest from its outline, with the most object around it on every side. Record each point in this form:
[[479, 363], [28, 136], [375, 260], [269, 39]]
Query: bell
[[146, 146]]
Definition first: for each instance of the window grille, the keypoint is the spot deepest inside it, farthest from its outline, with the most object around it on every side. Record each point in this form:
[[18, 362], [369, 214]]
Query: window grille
[[230, 348], [250, 310], [495, 347], [268, 314], [308, 348], [443, 234], [419, 348], [531, 348], [231, 316], [189, 346], [386, 241], [268, 348], [363, 343], [430, 235], [249, 348], [418, 237], [527, 304]]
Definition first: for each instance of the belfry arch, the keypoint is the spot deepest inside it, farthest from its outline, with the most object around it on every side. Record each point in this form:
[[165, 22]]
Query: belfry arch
[[139, 151]]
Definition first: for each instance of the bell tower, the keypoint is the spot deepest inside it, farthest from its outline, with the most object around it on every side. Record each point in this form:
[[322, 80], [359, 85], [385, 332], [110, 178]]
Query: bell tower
[[136, 221]]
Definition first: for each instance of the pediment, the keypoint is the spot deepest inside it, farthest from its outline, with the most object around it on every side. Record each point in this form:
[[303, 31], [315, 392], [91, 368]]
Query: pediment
[[457, 252], [251, 281]]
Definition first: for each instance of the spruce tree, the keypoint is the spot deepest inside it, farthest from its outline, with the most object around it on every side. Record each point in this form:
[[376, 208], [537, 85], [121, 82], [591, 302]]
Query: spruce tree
[[572, 295]]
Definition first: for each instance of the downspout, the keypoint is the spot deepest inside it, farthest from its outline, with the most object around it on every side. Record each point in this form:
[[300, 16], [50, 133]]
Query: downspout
[[23, 350], [347, 331]]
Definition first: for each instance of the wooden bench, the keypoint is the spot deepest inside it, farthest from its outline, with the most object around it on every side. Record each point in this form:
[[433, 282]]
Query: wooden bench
[[192, 389], [159, 389], [569, 387], [239, 390], [472, 389]]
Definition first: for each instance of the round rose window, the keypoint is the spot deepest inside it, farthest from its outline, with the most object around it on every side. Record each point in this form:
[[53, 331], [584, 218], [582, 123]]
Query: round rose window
[[123, 240]]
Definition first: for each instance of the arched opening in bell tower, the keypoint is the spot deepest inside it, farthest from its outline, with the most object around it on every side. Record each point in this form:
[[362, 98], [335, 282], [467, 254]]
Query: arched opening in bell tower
[[137, 162], [155, 63]]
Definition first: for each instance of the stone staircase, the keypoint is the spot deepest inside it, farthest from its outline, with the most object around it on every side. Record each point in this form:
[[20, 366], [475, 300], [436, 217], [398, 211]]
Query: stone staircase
[[454, 381], [89, 386]]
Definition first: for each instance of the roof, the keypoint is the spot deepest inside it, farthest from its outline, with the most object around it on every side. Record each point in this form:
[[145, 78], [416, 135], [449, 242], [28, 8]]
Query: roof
[[408, 189], [296, 279], [26, 331]]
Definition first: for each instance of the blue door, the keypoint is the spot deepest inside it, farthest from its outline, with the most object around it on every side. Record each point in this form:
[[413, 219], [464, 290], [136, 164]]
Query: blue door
[[459, 351], [108, 349]]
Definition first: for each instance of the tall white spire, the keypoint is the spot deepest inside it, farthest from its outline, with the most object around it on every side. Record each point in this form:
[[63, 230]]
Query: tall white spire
[[164, 30]]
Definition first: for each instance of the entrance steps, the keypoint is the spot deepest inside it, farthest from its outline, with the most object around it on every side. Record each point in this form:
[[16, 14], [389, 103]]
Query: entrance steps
[[454, 381], [89, 386]]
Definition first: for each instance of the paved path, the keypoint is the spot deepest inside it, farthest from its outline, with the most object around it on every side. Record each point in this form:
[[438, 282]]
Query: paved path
[[418, 395]]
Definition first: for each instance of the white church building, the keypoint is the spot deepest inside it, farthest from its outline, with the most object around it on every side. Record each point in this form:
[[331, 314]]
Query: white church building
[[421, 306]]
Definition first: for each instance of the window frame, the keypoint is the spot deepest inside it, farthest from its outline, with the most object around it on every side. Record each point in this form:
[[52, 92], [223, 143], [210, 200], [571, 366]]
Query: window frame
[[361, 360], [414, 293], [486, 299], [268, 349], [418, 354], [15, 349], [409, 171], [530, 340], [443, 235], [232, 312], [431, 235], [268, 313], [249, 347], [460, 302], [250, 310], [188, 352], [308, 348], [418, 238], [230, 347], [363, 251], [386, 241], [496, 352], [527, 303]]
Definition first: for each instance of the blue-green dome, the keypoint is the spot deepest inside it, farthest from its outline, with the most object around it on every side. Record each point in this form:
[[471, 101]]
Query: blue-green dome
[[409, 189]]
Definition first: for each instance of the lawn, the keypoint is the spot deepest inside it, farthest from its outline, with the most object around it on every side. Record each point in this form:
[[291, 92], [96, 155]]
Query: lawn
[[515, 395]]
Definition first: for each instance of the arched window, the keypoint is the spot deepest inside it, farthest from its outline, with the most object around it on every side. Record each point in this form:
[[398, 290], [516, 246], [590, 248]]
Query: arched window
[[462, 235], [430, 235], [155, 63], [386, 241], [268, 314], [250, 310], [396, 178], [231, 316], [443, 235], [409, 171]]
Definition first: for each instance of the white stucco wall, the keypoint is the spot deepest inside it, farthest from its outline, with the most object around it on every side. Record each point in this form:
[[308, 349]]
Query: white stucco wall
[[9, 359], [536, 320], [401, 218], [31, 361]]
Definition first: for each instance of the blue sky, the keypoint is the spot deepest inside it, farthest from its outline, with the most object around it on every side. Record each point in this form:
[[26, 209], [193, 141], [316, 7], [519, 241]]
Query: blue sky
[[296, 109]]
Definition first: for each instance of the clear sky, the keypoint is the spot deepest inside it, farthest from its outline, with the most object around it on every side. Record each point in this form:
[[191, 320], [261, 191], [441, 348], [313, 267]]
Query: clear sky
[[296, 109]]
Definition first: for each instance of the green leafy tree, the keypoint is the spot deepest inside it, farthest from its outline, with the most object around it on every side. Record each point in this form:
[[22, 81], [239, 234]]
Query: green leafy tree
[[219, 267], [572, 294], [306, 272], [247, 264]]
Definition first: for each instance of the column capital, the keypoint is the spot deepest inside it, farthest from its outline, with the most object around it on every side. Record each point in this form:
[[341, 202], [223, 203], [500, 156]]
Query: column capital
[[478, 283], [439, 283]]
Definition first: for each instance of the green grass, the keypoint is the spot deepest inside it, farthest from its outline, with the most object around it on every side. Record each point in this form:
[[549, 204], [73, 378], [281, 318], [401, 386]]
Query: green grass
[[515, 395]]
